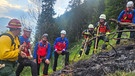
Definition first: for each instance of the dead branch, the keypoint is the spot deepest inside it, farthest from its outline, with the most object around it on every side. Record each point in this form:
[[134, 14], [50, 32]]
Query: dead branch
[[122, 23]]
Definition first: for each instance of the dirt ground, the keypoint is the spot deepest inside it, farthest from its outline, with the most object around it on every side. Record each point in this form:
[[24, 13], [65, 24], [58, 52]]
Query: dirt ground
[[103, 63]]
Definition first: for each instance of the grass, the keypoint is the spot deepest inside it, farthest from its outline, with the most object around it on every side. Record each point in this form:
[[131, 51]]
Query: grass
[[74, 58], [121, 73]]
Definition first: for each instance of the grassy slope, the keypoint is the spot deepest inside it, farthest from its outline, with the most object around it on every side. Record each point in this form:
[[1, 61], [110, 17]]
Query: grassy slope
[[74, 58]]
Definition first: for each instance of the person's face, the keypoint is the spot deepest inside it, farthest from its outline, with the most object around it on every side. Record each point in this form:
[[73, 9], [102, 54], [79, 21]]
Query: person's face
[[129, 8], [91, 29], [27, 33], [44, 39], [18, 31], [102, 20], [62, 35]]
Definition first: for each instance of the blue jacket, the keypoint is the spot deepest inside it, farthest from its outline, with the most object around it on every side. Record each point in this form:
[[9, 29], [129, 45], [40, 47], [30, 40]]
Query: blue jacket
[[23, 39], [123, 12], [48, 50], [59, 39]]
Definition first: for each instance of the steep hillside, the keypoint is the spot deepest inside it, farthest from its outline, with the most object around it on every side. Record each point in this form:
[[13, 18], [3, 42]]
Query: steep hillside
[[103, 63]]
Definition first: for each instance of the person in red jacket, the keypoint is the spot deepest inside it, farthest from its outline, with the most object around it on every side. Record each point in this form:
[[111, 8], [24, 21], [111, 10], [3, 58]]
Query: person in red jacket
[[102, 28], [24, 39], [127, 15], [42, 53], [86, 44], [60, 46]]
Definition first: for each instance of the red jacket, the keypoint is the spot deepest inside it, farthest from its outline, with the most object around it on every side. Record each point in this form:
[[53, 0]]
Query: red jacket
[[60, 46], [103, 27], [42, 50]]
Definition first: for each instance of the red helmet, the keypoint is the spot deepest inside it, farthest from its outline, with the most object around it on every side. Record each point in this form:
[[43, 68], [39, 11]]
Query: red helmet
[[14, 23]]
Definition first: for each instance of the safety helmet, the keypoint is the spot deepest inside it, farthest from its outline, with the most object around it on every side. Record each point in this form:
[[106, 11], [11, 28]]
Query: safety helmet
[[14, 23], [130, 4], [103, 16], [45, 35], [90, 26], [27, 28], [63, 32]]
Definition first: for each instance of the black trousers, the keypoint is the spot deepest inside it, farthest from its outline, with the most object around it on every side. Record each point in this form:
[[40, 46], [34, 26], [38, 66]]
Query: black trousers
[[88, 47], [45, 69], [56, 55], [120, 33], [104, 38], [26, 62]]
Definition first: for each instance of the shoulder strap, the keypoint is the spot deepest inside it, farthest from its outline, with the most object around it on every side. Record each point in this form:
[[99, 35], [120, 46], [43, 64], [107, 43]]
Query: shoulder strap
[[98, 24], [105, 23], [11, 37]]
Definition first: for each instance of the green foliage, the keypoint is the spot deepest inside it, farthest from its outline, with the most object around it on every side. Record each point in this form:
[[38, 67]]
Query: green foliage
[[46, 21], [78, 16], [74, 21]]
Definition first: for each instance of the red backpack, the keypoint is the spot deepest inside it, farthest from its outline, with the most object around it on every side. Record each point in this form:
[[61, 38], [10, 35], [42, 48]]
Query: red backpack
[[42, 50]]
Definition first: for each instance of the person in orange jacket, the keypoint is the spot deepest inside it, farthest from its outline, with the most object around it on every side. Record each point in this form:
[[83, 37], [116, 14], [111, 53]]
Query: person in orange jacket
[[102, 28]]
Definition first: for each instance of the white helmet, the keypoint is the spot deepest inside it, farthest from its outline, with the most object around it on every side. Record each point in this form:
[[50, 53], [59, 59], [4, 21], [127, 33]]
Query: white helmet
[[103, 16], [63, 32], [130, 4], [45, 35], [90, 26], [27, 28]]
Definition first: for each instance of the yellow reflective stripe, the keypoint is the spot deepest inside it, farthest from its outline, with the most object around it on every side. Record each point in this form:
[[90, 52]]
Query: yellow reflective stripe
[[15, 24]]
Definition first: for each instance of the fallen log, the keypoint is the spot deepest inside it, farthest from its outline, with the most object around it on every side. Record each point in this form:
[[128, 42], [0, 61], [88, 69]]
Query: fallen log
[[122, 23], [132, 30]]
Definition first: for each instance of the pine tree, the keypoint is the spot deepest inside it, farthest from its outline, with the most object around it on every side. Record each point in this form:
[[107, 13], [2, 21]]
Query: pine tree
[[46, 21]]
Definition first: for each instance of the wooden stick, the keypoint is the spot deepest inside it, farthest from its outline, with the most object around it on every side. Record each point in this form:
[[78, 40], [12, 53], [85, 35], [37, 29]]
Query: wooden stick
[[96, 40]]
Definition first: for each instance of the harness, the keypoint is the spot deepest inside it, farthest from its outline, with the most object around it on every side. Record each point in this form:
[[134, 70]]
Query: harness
[[102, 28], [26, 44], [42, 52], [88, 33], [127, 16]]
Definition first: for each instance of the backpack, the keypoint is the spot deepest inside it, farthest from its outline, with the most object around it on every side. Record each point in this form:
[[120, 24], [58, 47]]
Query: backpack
[[11, 37]]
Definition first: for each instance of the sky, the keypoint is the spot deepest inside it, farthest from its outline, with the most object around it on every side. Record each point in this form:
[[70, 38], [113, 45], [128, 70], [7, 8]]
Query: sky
[[19, 9]]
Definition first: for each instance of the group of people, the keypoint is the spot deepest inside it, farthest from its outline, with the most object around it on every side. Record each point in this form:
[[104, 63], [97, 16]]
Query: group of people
[[17, 49], [101, 30]]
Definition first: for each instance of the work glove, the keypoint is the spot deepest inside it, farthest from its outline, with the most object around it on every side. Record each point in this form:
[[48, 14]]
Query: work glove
[[95, 29], [107, 33]]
